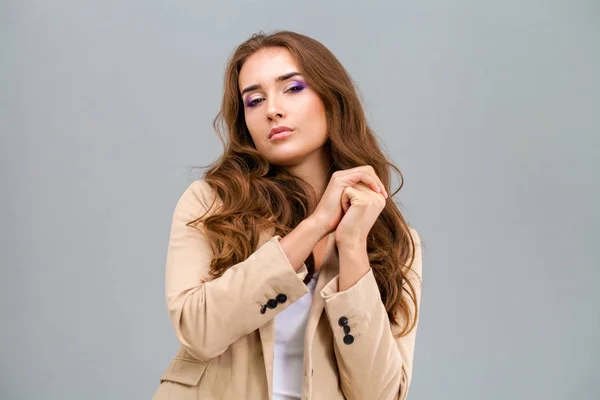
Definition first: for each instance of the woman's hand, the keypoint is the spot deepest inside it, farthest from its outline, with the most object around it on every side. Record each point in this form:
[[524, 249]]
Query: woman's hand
[[329, 211], [361, 207]]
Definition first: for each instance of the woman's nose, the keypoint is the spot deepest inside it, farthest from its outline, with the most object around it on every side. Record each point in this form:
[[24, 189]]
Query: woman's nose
[[274, 109]]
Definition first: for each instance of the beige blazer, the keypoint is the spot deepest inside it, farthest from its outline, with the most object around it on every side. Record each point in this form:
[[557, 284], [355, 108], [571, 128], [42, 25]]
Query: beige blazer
[[226, 326]]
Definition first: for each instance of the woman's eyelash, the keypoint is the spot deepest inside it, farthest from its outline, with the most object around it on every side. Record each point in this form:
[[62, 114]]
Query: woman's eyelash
[[294, 89], [254, 102]]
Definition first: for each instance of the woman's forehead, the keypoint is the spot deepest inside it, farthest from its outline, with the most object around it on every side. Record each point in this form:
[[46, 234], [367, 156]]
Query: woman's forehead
[[266, 65]]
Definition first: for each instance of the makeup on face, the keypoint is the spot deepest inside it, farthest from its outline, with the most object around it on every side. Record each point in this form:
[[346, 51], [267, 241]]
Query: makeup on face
[[295, 86]]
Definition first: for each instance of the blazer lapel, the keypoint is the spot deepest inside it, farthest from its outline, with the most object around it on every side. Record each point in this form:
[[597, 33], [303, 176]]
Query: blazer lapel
[[329, 269], [267, 338]]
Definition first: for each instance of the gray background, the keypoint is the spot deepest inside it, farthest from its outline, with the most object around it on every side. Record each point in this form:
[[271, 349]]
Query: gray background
[[490, 109]]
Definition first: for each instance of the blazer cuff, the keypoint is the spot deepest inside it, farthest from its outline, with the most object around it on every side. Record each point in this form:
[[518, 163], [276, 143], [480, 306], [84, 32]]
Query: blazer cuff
[[332, 288], [356, 307]]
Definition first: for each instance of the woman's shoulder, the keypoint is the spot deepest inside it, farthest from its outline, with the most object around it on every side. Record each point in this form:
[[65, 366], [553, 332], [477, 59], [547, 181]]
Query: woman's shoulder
[[414, 234], [198, 194], [200, 187], [418, 262]]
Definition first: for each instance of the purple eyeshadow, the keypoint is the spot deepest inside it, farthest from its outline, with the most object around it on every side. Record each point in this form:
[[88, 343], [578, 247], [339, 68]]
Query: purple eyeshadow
[[249, 101], [297, 85]]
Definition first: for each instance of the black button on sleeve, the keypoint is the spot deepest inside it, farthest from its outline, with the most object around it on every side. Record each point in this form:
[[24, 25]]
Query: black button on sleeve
[[272, 303], [263, 309], [281, 298], [346, 329], [343, 321], [348, 339]]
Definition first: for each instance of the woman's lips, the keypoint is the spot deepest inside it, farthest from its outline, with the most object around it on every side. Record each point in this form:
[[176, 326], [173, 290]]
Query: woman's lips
[[279, 129], [281, 135]]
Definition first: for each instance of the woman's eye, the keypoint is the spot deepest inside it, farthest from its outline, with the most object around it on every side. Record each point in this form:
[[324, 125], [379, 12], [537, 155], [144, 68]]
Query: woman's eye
[[295, 88], [254, 102]]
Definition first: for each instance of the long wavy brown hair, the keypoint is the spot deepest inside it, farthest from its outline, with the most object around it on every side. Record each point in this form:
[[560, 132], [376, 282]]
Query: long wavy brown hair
[[256, 195]]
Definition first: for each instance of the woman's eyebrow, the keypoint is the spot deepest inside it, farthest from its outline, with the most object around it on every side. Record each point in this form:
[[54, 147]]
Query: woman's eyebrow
[[278, 79]]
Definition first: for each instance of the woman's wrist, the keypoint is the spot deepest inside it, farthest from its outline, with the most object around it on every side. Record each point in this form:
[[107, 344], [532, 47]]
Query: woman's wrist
[[315, 228], [300, 242]]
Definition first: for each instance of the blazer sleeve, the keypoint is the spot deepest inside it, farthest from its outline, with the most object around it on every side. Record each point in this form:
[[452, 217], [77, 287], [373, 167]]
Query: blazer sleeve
[[373, 364], [209, 315]]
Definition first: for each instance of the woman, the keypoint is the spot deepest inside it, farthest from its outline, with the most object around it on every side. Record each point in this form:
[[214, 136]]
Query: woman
[[290, 272]]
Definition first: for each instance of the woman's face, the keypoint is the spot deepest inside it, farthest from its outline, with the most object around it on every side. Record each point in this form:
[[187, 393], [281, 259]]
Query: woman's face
[[276, 95]]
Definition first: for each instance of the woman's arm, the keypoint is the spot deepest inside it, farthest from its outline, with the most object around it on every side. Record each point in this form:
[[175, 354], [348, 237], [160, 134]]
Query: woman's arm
[[210, 315], [372, 363], [300, 242]]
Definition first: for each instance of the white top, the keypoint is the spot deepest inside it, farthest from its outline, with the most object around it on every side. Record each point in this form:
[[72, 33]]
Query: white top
[[288, 364]]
